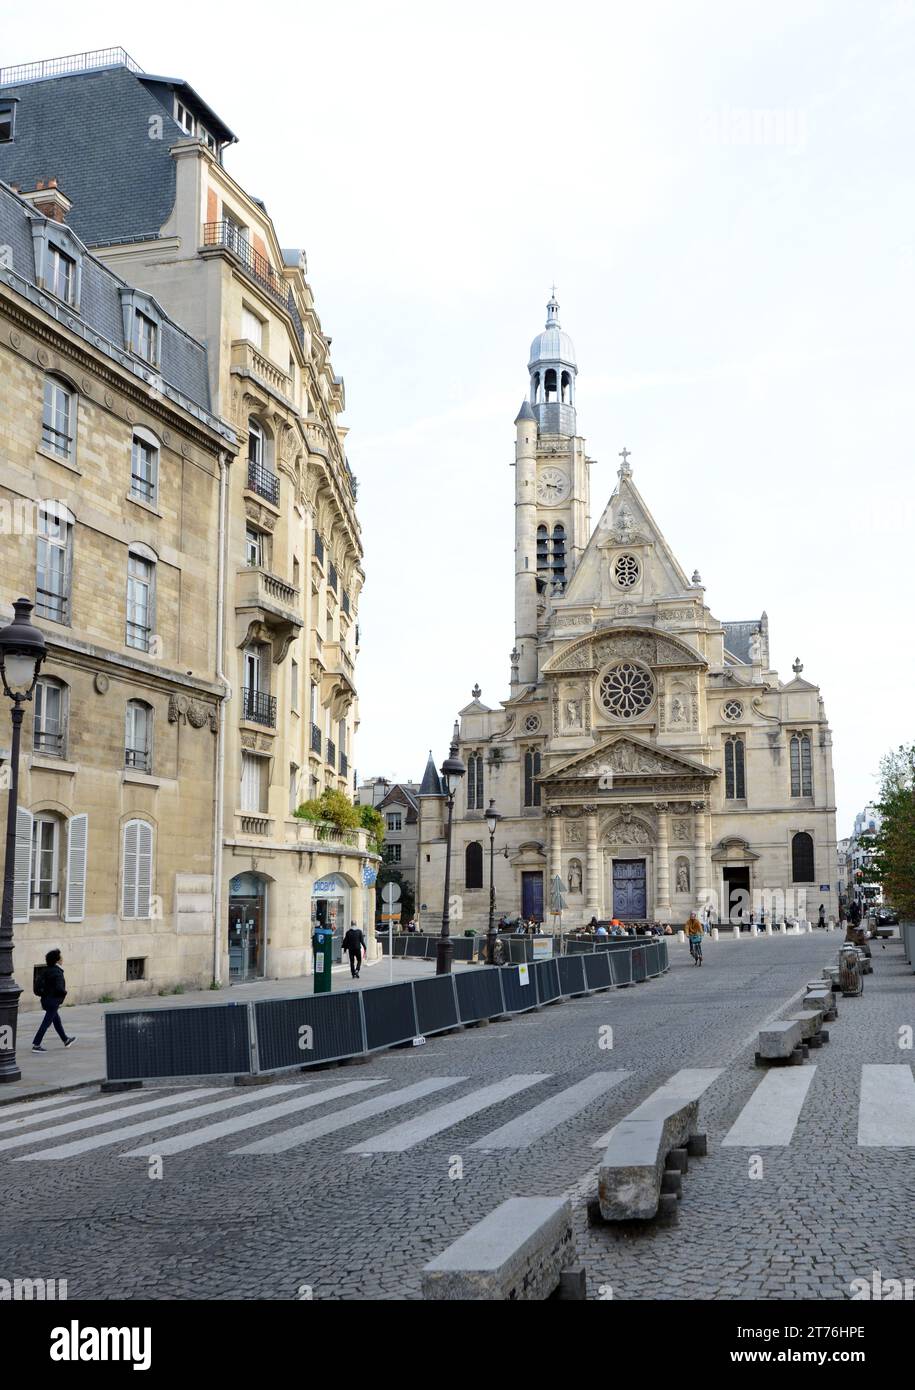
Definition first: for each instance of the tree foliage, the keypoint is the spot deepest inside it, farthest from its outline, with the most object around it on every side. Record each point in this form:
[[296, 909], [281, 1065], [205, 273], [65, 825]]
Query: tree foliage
[[332, 805], [894, 842], [374, 822], [407, 904]]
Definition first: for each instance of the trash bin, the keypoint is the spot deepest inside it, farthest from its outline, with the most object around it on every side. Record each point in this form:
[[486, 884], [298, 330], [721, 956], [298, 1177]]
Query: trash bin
[[851, 978], [322, 943]]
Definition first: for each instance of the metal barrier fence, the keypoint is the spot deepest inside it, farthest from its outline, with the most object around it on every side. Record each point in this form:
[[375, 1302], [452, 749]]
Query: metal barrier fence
[[281, 1034], [420, 947]]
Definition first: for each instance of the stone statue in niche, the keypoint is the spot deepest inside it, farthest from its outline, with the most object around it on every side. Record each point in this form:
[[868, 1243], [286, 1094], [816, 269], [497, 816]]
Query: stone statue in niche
[[573, 714], [677, 710], [756, 648], [574, 876], [682, 876]]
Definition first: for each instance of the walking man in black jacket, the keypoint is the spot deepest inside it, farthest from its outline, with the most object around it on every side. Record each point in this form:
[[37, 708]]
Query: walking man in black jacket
[[354, 945], [53, 993]]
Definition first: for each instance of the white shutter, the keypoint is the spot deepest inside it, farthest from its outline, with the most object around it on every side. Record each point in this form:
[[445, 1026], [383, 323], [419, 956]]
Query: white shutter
[[144, 868], [22, 870], [77, 841], [131, 834]]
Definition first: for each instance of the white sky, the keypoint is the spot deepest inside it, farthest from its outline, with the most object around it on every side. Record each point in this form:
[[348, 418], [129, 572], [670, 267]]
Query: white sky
[[723, 193]]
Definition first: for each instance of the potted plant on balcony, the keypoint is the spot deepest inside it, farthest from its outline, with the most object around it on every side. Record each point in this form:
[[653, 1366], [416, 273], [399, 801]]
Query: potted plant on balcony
[[332, 811]]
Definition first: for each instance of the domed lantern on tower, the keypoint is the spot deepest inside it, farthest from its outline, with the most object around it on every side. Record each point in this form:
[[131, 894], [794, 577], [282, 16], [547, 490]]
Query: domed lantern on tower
[[553, 370]]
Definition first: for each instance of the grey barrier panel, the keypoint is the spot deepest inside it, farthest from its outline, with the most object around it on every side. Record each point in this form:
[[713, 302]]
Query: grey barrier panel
[[665, 955], [389, 1014], [203, 1040], [638, 958], [479, 994], [518, 998], [464, 948], [597, 970], [577, 948], [415, 946], [334, 1020], [571, 974], [400, 945], [621, 965], [436, 1004], [547, 976]]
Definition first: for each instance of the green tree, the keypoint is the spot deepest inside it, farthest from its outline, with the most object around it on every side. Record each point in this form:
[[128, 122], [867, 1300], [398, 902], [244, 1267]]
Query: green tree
[[407, 905], [894, 843], [332, 805], [374, 822]]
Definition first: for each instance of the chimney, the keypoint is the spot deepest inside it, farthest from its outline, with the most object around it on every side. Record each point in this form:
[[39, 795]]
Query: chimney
[[48, 199]]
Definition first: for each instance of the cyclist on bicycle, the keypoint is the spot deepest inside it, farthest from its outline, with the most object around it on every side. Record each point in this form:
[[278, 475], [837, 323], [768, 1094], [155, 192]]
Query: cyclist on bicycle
[[694, 937]]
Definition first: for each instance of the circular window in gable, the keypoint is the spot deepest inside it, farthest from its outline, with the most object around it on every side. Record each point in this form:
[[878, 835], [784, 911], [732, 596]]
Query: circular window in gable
[[532, 724], [732, 710], [626, 690], [627, 571]]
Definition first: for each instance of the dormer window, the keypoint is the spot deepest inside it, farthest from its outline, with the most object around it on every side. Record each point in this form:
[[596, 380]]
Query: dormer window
[[61, 274], [184, 118], [7, 121], [146, 337], [142, 326], [58, 260]]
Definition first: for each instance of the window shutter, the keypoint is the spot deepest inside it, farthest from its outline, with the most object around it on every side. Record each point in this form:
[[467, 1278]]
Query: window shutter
[[144, 868], [131, 833], [22, 870], [77, 839]]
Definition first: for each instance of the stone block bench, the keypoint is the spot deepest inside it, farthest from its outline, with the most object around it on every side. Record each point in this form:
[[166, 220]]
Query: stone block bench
[[823, 999], [640, 1174], [812, 1031], [524, 1250], [781, 1042]]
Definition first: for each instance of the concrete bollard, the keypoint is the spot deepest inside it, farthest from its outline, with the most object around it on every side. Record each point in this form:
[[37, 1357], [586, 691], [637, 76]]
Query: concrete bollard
[[736, 931], [681, 937], [714, 933], [768, 929]]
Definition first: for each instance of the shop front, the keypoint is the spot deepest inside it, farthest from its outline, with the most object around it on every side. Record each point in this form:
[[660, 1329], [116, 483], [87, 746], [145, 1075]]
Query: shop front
[[247, 927]]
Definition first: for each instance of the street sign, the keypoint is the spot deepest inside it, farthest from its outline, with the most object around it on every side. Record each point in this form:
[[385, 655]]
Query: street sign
[[390, 894], [390, 916]]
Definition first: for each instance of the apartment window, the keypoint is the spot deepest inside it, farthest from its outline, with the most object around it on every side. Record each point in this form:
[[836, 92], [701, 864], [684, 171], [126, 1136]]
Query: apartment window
[[208, 139], [44, 864], [394, 820], [58, 420], [392, 854], [136, 877], [475, 782], [141, 573], [254, 548], [144, 467], [801, 765], [252, 327], [293, 788], [735, 783], [473, 865], [184, 118], [255, 443], [146, 338], [138, 736], [136, 968], [7, 121], [49, 726], [531, 774], [55, 557], [313, 703], [802, 863], [294, 684], [253, 783], [61, 274]]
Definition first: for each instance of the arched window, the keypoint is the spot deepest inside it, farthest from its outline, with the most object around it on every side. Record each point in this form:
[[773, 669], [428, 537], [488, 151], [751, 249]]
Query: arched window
[[138, 736], [531, 774], [262, 477], [136, 874], [549, 381], [49, 726], [54, 562], [536, 400], [58, 420], [141, 597], [802, 868], [735, 786], [801, 765], [475, 782], [559, 555], [566, 388], [473, 865], [543, 550], [256, 451], [144, 467]]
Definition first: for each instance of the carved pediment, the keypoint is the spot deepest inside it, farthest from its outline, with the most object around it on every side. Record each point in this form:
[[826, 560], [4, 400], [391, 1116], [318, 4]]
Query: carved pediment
[[624, 756], [644, 644]]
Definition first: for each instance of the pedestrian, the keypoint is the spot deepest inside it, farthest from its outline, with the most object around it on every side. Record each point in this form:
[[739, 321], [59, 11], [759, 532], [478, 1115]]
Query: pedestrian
[[822, 921], [693, 931], [600, 931], [354, 946], [762, 919], [51, 987]]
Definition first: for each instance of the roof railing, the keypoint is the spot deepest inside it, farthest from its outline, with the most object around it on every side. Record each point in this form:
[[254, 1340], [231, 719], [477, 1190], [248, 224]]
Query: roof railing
[[73, 62]]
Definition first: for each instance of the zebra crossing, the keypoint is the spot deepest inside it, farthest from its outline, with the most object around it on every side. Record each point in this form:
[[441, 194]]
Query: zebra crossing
[[211, 1118]]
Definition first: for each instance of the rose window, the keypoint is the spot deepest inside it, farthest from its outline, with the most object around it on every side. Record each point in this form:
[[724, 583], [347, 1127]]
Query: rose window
[[626, 690], [733, 709], [532, 723], [627, 571]]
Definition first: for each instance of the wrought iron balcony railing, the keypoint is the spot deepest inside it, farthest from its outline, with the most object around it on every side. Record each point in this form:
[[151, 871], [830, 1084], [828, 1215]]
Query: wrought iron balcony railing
[[259, 707], [229, 236], [316, 739], [263, 482]]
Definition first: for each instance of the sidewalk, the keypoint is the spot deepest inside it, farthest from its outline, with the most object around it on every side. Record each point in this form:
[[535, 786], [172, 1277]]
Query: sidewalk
[[61, 1069]]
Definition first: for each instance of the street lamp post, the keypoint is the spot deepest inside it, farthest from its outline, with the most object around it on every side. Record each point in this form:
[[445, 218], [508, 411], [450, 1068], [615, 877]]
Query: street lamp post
[[452, 771], [492, 821], [22, 650]]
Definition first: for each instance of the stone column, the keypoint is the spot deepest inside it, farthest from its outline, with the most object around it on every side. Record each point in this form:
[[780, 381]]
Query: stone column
[[554, 861], [662, 876], [592, 866], [701, 849]]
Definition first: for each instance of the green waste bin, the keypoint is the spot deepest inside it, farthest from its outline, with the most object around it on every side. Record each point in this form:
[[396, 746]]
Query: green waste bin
[[322, 943]]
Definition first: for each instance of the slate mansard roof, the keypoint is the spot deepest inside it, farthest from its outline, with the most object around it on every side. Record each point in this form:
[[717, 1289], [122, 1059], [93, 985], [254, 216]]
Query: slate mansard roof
[[122, 179], [182, 373]]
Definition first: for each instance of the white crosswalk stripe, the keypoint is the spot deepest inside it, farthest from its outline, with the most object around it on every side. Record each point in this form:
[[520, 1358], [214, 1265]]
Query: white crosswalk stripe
[[410, 1132], [44, 1103], [770, 1116], [112, 1116], [688, 1084], [886, 1114], [365, 1110], [549, 1114], [149, 1126], [46, 1117], [180, 1142]]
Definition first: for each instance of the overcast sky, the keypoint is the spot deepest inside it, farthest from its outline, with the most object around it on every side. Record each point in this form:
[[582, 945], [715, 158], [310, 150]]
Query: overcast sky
[[723, 194]]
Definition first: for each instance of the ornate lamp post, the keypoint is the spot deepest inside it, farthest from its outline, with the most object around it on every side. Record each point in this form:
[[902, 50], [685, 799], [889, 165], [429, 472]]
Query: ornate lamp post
[[452, 772], [22, 650], [492, 821]]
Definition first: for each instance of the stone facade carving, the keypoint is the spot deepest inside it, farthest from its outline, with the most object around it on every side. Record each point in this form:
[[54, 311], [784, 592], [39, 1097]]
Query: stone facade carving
[[682, 830], [681, 874], [631, 832], [625, 644], [574, 875], [183, 709]]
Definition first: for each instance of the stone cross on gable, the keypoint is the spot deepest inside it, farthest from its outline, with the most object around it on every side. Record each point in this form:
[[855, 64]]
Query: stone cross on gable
[[625, 455]]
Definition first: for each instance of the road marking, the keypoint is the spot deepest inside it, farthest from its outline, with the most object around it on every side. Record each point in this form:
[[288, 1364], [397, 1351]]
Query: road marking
[[75, 1108], [113, 1116], [328, 1124], [770, 1116], [114, 1136], [195, 1137], [551, 1113], [685, 1085], [886, 1110], [404, 1136]]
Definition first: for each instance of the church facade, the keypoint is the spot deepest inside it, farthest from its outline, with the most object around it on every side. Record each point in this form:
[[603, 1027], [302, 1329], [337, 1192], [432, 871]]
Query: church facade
[[648, 754]]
